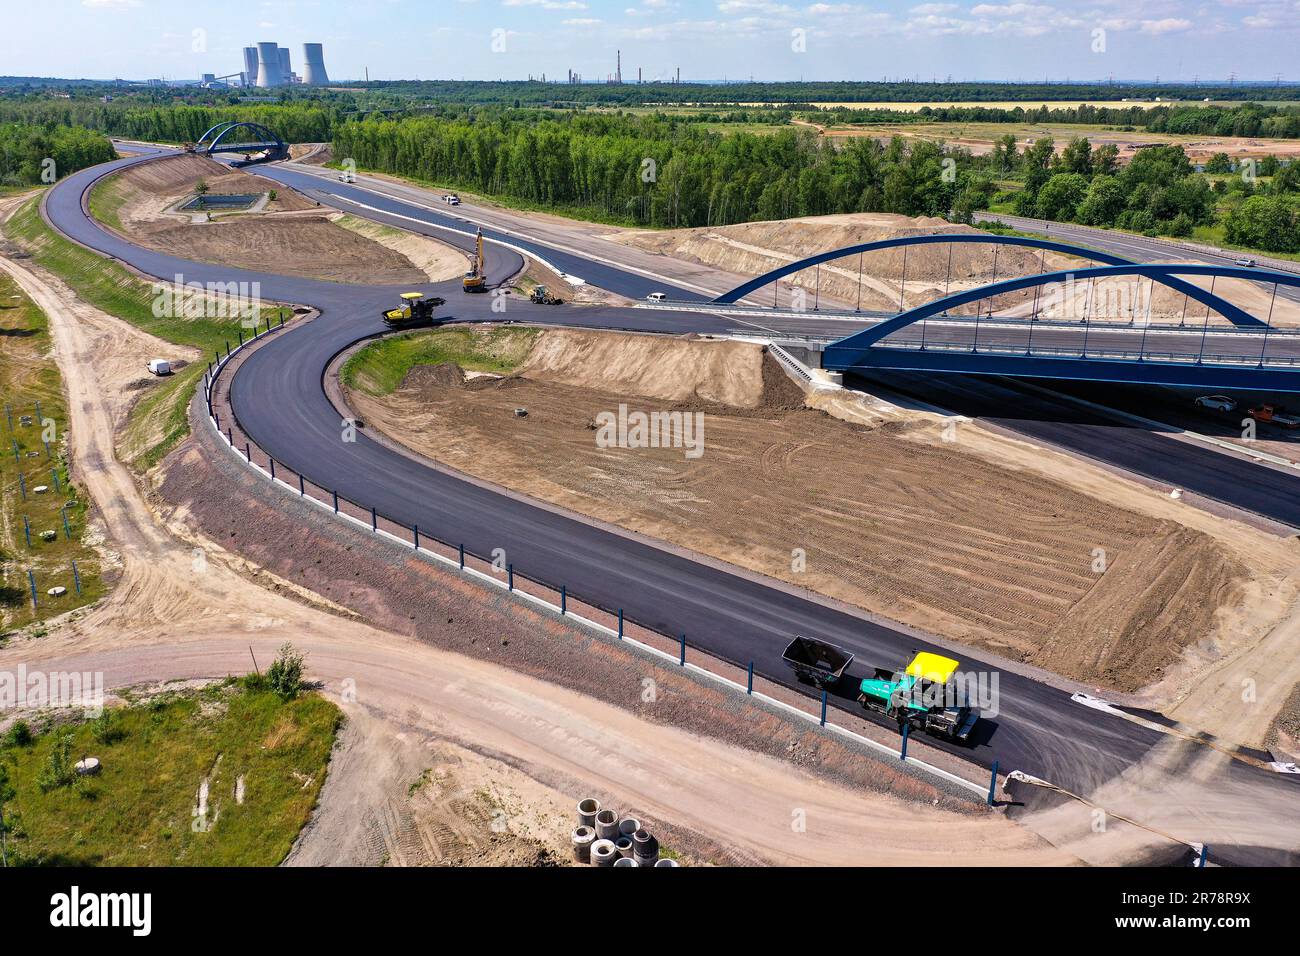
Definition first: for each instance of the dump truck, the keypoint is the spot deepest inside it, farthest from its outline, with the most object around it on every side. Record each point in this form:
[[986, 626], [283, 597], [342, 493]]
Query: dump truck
[[475, 280], [542, 296], [415, 310], [1274, 415], [816, 662], [922, 696]]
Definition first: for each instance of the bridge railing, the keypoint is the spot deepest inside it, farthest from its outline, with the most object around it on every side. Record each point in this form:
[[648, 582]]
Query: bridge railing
[[913, 343]]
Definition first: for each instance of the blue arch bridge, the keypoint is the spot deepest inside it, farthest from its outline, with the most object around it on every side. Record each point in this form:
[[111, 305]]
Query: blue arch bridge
[[1057, 329], [253, 142]]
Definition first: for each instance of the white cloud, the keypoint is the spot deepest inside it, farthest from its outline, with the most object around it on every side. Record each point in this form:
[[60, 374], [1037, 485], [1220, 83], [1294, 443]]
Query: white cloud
[[581, 22], [110, 4], [1167, 25], [546, 4]]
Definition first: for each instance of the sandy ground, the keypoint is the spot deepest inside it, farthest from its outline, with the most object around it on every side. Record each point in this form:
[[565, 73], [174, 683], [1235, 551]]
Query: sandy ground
[[183, 609], [438, 261], [293, 236], [916, 529]]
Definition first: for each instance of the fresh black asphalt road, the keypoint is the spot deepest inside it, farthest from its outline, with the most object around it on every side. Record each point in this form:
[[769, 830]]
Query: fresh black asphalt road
[[279, 398]]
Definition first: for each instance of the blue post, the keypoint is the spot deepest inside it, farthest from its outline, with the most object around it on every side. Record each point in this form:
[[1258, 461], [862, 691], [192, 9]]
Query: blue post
[[273, 469], [336, 502], [48, 453], [217, 353], [564, 600], [248, 453], [67, 531], [230, 436], [17, 455], [993, 783], [462, 557], [38, 413], [620, 624], [9, 416], [76, 577], [682, 662], [1200, 860], [22, 486], [823, 706], [54, 474], [241, 336], [416, 532], [216, 419], [749, 685], [302, 486], [27, 530], [31, 578], [902, 754], [374, 520], [227, 348], [510, 576]]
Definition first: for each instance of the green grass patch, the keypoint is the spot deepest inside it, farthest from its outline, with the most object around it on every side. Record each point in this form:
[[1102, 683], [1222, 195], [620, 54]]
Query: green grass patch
[[33, 454], [158, 421], [378, 369], [106, 199], [142, 808]]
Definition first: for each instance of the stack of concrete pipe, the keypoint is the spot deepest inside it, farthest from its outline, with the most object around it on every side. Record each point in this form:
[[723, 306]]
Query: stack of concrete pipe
[[602, 839]]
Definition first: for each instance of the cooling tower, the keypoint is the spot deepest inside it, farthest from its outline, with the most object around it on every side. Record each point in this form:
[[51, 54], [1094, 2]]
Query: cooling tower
[[268, 65], [286, 69], [250, 65], [313, 57]]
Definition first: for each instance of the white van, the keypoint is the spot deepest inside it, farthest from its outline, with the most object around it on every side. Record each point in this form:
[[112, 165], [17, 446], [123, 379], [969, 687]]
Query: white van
[[160, 366], [656, 297]]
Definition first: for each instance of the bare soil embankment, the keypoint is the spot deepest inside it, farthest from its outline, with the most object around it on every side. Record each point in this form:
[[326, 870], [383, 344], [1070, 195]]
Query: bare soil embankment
[[893, 518], [291, 235]]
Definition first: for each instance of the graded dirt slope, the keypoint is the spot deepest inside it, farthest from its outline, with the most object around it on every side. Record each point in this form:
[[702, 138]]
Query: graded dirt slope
[[292, 235], [904, 524]]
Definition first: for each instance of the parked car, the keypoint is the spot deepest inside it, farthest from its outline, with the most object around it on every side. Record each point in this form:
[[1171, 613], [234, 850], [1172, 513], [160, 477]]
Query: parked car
[[656, 297], [1216, 403], [160, 366]]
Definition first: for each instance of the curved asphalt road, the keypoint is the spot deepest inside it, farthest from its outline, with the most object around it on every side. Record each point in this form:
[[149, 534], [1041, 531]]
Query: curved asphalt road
[[279, 398]]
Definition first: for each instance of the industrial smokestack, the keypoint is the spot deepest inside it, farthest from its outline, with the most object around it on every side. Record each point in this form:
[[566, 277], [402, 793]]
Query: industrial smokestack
[[286, 68], [268, 65], [250, 65], [313, 71]]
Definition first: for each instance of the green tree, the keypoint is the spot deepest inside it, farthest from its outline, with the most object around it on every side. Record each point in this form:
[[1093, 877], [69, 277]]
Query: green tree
[[1219, 164], [1270, 223], [1103, 203], [1060, 197], [284, 676]]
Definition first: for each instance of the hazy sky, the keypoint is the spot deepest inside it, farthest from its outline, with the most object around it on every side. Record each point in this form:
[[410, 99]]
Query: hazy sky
[[708, 39]]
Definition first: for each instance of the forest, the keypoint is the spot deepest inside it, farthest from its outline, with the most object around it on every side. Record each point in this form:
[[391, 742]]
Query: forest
[[31, 155]]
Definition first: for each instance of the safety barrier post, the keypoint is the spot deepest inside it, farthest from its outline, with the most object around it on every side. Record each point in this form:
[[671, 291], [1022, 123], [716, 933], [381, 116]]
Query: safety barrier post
[[993, 783], [76, 577], [216, 420], [620, 624], [227, 348], [1200, 860], [902, 754], [67, 531], [22, 486], [241, 336], [27, 531], [302, 486], [17, 455], [248, 453], [54, 476], [273, 469], [823, 706], [682, 662], [564, 600], [336, 501], [749, 684], [230, 436], [462, 557], [416, 532], [510, 577], [31, 579], [374, 520]]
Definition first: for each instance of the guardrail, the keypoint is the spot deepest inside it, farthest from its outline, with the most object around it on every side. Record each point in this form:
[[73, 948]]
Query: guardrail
[[1123, 355], [533, 590]]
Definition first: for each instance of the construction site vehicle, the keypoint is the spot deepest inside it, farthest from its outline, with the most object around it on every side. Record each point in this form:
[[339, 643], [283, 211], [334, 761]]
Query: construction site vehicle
[[475, 280], [1274, 415], [540, 296], [414, 310], [160, 366], [923, 697], [816, 662]]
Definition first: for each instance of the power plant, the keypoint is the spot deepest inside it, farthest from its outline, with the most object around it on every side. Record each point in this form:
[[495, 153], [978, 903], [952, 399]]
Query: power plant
[[313, 70], [269, 65]]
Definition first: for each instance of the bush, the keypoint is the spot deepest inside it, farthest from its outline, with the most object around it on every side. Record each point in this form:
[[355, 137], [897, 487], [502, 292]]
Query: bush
[[59, 770], [284, 677], [106, 729], [19, 735]]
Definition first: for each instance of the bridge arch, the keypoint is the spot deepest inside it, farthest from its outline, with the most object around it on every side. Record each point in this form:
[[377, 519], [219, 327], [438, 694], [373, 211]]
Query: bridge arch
[[260, 138], [852, 349], [1235, 315]]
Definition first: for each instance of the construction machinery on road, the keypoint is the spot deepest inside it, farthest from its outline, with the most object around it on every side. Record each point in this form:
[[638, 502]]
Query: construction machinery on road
[[475, 280], [1274, 415], [923, 696], [816, 662], [542, 296], [416, 309]]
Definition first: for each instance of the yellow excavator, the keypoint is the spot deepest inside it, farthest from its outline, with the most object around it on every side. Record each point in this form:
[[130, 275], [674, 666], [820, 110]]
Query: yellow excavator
[[475, 280], [414, 310]]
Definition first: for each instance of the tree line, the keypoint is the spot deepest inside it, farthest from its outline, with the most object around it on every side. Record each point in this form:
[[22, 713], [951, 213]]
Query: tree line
[[31, 155]]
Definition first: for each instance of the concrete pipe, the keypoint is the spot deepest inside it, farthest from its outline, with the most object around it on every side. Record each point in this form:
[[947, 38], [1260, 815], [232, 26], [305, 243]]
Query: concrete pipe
[[645, 848], [587, 810], [628, 826], [625, 861], [603, 853], [624, 846], [583, 837], [667, 863], [607, 825]]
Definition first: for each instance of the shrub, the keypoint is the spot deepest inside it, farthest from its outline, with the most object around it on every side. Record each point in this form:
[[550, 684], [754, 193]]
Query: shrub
[[284, 676]]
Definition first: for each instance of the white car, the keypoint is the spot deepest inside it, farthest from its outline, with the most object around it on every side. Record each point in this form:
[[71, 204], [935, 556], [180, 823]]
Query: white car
[[656, 297], [1216, 403], [451, 199], [347, 178], [1245, 263]]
